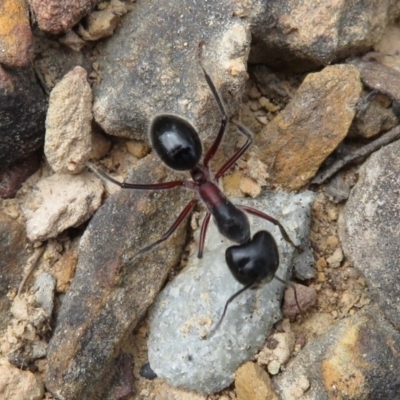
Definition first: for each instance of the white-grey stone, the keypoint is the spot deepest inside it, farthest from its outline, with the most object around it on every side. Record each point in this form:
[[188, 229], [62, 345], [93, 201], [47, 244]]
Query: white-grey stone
[[60, 202], [192, 303], [45, 285]]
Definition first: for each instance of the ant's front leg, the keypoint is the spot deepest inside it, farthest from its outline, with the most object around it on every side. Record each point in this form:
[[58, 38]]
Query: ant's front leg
[[139, 186]]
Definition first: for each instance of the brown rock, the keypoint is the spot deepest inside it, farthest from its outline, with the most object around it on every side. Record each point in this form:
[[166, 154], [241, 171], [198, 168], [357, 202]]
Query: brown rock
[[64, 270], [306, 297], [13, 258], [16, 40], [253, 383], [55, 16], [299, 139]]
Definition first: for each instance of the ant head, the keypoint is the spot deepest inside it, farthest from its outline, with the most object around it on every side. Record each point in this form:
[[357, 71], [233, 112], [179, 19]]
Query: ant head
[[176, 142], [255, 261]]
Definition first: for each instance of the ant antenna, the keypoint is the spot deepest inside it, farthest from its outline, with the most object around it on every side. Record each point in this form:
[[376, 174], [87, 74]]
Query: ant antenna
[[244, 288], [291, 285], [213, 330]]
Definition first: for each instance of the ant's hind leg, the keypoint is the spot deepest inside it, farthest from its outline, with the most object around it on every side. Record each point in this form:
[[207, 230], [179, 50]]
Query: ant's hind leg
[[186, 211], [203, 232]]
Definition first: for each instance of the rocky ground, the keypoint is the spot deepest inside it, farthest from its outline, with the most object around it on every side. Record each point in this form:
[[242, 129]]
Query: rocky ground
[[81, 314]]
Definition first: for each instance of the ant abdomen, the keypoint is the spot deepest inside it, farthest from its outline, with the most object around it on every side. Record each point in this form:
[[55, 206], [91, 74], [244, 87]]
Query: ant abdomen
[[254, 261]]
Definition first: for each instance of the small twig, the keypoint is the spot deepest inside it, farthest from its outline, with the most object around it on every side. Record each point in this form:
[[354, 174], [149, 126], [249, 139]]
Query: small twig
[[33, 260], [366, 150]]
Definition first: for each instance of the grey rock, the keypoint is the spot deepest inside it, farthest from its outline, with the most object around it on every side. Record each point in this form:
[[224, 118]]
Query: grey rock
[[188, 308], [377, 116], [370, 230], [354, 359], [379, 77], [44, 287], [140, 80], [60, 202], [302, 35]]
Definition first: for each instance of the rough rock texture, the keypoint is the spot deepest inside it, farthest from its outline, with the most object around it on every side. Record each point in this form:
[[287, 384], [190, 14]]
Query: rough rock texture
[[166, 77], [68, 140], [100, 24], [190, 306], [369, 228], [377, 117], [16, 39], [355, 359], [311, 126], [16, 384], [12, 178], [13, 258], [54, 16], [60, 202], [302, 35], [253, 383], [112, 289], [22, 115], [380, 77]]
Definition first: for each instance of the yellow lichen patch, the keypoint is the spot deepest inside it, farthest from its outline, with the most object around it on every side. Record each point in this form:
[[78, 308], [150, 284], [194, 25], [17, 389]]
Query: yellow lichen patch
[[15, 33], [344, 371], [12, 13]]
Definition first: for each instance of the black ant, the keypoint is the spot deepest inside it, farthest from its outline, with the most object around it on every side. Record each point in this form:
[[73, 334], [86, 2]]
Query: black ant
[[253, 261]]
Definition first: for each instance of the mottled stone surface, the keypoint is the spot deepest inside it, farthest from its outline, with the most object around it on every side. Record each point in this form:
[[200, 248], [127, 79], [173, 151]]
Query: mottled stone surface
[[16, 39], [354, 359], [380, 77], [102, 23], [188, 309], [68, 141], [12, 261], [112, 290], [370, 230], [140, 81], [22, 114], [312, 125], [54, 16], [60, 202], [15, 175], [305, 35], [253, 383], [16, 384]]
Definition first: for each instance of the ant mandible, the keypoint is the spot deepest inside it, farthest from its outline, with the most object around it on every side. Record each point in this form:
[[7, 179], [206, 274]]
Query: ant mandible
[[253, 261]]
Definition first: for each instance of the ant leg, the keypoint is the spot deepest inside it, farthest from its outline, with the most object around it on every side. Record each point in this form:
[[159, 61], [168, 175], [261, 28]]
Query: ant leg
[[203, 231], [146, 186], [274, 221], [244, 288], [224, 115], [189, 207], [246, 132]]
